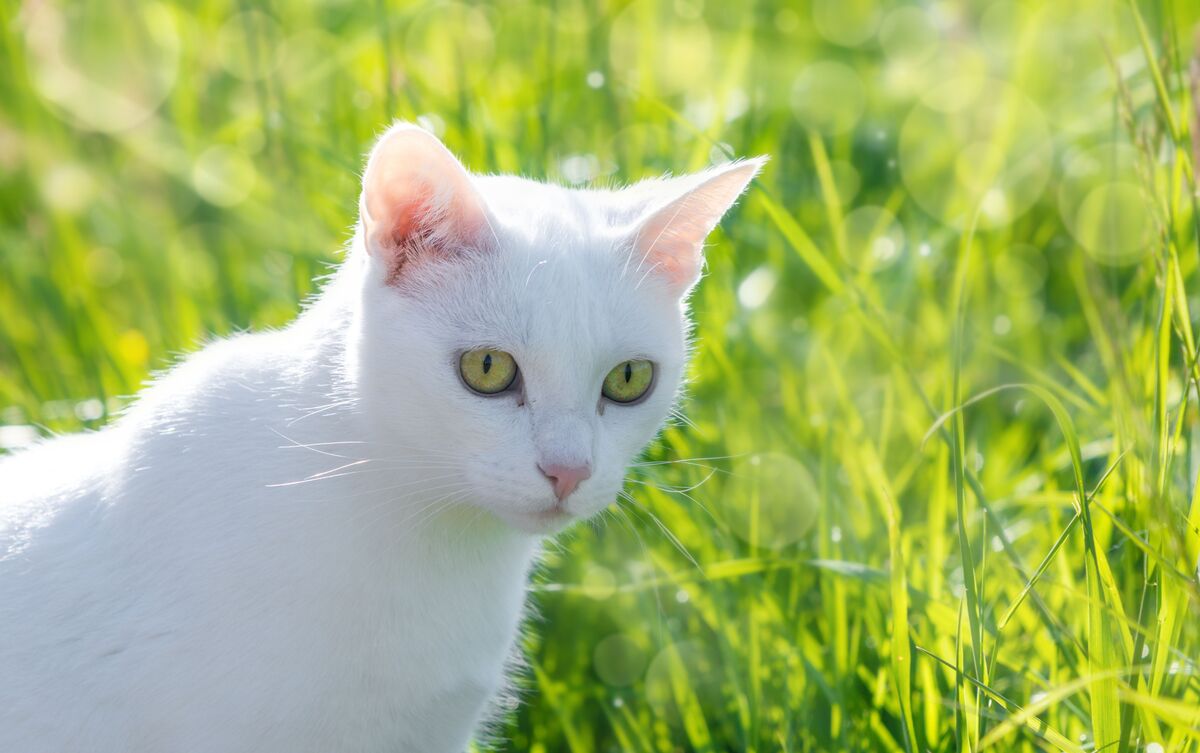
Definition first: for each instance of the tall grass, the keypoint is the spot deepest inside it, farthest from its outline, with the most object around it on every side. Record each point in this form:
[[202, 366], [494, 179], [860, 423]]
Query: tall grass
[[936, 485]]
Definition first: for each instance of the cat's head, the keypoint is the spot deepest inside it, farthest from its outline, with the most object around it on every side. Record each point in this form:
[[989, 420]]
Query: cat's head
[[522, 342]]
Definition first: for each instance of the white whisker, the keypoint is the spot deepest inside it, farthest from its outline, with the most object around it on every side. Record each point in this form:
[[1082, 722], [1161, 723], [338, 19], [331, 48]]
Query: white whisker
[[331, 473], [665, 530], [643, 464], [675, 489]]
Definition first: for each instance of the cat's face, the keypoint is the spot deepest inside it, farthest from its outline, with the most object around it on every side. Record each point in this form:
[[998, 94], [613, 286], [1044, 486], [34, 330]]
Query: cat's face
[[526, 341]]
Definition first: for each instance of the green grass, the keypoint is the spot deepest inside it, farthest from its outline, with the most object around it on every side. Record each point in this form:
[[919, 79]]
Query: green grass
[[937, 486]]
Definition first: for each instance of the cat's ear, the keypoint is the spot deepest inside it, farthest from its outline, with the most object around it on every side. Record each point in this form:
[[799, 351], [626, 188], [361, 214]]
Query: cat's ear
[[417, 198], [670, 240]]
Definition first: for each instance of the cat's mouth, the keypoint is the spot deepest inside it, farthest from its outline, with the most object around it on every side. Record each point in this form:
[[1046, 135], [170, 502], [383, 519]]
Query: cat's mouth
[[554, 514], [544, 521]]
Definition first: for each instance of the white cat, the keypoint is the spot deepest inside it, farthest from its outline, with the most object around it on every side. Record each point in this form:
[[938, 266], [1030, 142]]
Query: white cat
[[318, 539]]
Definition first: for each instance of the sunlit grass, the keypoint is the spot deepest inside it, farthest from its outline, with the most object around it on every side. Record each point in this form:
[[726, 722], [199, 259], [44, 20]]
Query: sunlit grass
[[936, 485]]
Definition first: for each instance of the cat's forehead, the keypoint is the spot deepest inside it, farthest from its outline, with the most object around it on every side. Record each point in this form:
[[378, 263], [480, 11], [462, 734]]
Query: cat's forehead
[[560, 295], [531, 207], [561, 284]]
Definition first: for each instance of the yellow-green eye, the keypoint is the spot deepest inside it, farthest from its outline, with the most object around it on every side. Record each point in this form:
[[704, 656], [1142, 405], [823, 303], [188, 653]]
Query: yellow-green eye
[[486, 371], [628, 381]]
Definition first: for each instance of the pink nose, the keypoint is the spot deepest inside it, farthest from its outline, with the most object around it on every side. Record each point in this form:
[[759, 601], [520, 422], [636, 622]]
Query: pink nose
[[565, 477]]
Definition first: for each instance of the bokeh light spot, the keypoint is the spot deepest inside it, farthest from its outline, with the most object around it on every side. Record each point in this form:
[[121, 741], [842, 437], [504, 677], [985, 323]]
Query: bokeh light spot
[[68, 187], [619, 660], [873, 238], [828, 96], [999, 28], [578, 169], [1020, 271], [846, 179], [18, 436], [599, 583], [1103, 205], [248, 45], [787, 20], [846, 22], [101, 70], [190, 256], [685, 668], [954, 79], [1115, 223], [756, 288], [1072, 41], [989, 161], [306, 59], [678, 59], [133, 348], [907, 35], [444, 61], [223, 176], [771, 500], [104, 266]]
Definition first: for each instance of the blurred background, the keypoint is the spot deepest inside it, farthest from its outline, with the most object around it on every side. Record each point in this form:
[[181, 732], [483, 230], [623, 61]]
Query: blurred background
[[934, 490]]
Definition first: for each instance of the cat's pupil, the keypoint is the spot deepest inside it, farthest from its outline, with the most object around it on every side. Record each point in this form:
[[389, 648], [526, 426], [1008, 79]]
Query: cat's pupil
[[487, 363], [628, 371]]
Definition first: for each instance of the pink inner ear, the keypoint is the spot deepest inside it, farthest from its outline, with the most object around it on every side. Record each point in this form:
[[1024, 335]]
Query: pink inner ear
[[671, 241], [406, 215], [418, 198]]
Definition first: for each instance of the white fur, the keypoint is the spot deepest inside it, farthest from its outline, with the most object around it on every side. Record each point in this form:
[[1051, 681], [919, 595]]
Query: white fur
[[317, 539]]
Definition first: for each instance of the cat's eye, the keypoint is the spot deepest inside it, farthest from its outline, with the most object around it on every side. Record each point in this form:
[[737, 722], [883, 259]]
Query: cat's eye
[[487, 371], [629, 381]]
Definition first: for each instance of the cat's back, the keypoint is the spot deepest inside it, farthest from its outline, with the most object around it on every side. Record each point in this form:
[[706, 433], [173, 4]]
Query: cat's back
[[194, 399], [41, 486], [195, 432], [51, 575]]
